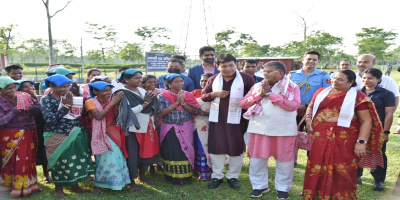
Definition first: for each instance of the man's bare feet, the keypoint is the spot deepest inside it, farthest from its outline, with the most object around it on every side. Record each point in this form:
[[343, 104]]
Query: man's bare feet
[[142, 178], [76, 188], [97, 190], [153, 171], [134, 187], [59, 192]]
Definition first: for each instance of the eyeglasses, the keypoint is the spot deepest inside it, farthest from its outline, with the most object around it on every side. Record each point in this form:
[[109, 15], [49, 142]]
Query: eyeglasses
[[269, 72]]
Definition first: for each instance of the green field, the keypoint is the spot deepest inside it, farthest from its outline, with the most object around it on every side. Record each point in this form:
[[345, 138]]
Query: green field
[[198, 189]]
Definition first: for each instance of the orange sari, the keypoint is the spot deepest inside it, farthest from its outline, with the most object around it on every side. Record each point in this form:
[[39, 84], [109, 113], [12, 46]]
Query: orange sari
[[331, 171]]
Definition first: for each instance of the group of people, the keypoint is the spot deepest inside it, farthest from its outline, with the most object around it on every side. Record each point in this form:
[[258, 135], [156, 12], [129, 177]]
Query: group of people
[[112, 131]]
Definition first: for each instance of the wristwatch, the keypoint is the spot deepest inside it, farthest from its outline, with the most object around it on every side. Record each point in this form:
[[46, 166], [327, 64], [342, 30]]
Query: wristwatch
[[362, 141], [268, 93], [386, 132]]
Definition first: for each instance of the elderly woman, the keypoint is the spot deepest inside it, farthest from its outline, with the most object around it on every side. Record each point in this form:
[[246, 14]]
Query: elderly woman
[[18, 143], [346, 134], [176, 135], [272, 106], [385, 104], [67, 145]]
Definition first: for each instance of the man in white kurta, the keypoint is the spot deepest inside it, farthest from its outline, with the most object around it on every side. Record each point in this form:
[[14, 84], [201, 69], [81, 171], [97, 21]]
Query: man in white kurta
[[272, 108]]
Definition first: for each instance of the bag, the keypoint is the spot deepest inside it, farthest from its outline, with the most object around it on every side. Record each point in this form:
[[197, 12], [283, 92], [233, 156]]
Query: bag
[[304, 140]]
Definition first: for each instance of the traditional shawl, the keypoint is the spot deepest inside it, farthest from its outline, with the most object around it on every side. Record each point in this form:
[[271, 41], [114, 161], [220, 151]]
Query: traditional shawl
[[188, 96], [347, 111], [24, 100], [286, 90], [236, 93], [99, 143], [126, 117]]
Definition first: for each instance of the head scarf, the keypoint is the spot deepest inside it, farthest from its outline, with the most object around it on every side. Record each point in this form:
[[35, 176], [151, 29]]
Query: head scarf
[[128, 71], [6, 81], [55, 66], [98, 78], [171, 76], [100, 85], [59, 70], [23, 81], [57, 79]]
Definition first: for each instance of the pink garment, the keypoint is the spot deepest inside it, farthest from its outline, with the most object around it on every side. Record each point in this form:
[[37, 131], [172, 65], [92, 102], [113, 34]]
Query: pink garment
[[86, 93], [184, 133], [24, 100], [212, 70], [264, 146], [48, 90], [100, 143], [253, 98]]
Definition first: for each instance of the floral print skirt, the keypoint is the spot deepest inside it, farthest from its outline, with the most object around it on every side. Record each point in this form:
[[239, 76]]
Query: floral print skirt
[[111, 169]]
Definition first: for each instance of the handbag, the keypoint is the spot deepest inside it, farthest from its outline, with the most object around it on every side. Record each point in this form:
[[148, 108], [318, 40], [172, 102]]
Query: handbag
[[304, 140]]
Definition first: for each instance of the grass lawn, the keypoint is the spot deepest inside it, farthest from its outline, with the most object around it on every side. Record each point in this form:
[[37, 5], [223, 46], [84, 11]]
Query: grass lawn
[[198, 189]]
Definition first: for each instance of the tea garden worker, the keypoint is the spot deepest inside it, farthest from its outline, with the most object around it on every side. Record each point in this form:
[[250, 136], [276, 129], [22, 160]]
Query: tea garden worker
[[227, 126], [67, 144], [272, 106], [18, 146]]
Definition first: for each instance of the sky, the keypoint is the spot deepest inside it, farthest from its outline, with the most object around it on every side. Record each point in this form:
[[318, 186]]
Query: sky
[[269, 22]]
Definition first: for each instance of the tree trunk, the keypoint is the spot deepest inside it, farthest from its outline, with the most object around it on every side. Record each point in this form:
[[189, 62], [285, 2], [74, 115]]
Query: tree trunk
[[51, 51]]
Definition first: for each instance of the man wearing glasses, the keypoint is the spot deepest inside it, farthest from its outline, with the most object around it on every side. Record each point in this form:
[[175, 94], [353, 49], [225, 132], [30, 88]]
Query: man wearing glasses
[[207, 55]]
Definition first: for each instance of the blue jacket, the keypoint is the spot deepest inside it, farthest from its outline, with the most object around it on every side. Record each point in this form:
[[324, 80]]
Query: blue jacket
[[195, 73], [188, 86]]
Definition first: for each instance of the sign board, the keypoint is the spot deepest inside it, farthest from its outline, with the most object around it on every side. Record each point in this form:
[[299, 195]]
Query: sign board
[[157, 62]]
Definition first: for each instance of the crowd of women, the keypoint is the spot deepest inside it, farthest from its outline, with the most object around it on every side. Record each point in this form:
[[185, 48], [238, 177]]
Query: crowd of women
[[110, 134]]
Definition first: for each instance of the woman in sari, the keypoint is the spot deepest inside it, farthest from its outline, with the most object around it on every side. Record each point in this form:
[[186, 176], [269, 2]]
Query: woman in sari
[[136, 112], [67, 145], [29, 87], [108, 139], [18, 142], [202, 162], [149, 83], [176, 135], [346, 134]]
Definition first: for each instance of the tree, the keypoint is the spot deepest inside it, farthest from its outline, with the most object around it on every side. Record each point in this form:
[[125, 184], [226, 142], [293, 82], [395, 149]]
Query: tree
[[36, 48], [230, 41], [165, 48], [252, 50], [375, 41], [64, 50], [153, 35], [131, 52], [326, 44], [49, 17], [104, 34], [6, 39]]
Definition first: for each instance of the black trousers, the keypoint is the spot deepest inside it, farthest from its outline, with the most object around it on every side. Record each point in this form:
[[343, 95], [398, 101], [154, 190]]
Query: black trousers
[[380, 173], [134, 161]]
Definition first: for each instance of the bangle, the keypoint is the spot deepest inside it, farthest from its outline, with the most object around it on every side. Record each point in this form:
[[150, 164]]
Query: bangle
[[183, 104], [146, 103], [170, 108], [386, 132], [68, 106]]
